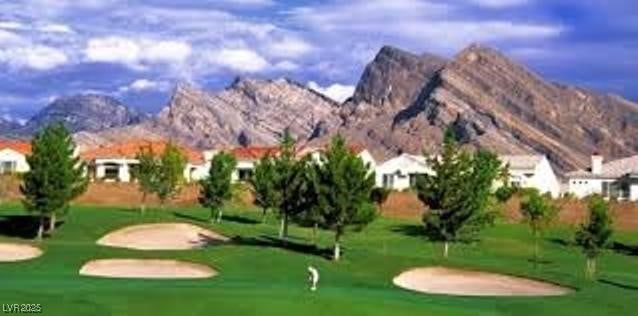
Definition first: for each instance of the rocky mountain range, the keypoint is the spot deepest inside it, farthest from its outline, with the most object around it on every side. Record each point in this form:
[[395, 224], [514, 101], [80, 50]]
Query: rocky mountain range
[[402, 103]]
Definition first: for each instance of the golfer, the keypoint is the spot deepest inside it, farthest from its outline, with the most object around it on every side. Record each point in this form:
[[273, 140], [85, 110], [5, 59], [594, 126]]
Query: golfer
[[313, 277]]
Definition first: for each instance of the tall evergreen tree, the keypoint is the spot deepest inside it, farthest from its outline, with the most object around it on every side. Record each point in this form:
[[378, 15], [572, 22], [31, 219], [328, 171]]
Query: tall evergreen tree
[[216, 189], [458, 193], [264, 185], [56, 175], [539, 212], [344, 186], [290, 173], [170, 172], [594, 235], [146, 173]]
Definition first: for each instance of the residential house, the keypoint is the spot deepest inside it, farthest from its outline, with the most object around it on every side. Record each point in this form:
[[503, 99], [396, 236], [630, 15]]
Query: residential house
[[401, 172], [532, 171], [616, 179], [247, 158], [116, 162], [13, 156], [361, 152]]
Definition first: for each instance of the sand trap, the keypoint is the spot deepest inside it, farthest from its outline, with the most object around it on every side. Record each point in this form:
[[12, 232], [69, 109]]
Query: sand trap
[[10, 252], [164, 236], [146, 269], [439, 280]]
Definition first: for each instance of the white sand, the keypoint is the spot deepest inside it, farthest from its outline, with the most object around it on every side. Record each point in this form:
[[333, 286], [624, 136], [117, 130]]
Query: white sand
[[439, 280], [146, 269], [162, 236], [10, 252]]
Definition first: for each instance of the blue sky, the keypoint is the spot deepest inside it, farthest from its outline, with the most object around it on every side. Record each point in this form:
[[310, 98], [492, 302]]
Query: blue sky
[[137, 50]]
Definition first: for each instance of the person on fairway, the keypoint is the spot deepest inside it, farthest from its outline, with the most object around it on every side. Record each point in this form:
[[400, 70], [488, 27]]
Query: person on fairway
[[313, 277]]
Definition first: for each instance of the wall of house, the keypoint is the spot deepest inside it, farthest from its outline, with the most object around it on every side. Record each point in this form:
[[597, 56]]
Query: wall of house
[[633, 192], [582, 187], [399, 168], [545, 180], [16, 157]]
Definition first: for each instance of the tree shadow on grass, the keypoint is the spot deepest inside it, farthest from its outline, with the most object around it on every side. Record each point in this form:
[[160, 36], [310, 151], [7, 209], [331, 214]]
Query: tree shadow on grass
[[629, 250], [229, 218], [191, 217], [562, 242], [620, 285], [409, 230], [272, 242], [22, 226]]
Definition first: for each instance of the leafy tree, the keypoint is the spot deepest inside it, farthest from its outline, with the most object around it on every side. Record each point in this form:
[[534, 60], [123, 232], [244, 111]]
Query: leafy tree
[[146, 173], [594, 235], [539, 212], [264, 185], [307, 199], [289, 181], [170, 172], [216, 189], [56, 175], [458, 193], [344, 186]]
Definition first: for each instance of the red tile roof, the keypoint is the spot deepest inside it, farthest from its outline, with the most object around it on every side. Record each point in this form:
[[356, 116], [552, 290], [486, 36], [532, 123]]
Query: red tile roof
[[253, 153], [22, 147], [129, 150]]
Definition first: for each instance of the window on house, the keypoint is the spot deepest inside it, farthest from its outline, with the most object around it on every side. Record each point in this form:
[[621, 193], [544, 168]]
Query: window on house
[[112, 172], [244, 174], [388, 181], [7, 167]]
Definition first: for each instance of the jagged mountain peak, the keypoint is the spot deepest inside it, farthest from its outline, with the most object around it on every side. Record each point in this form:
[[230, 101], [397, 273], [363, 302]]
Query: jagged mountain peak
[[85, 112]]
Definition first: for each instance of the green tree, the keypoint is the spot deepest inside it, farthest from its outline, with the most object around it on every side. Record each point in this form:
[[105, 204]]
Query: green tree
[[288, 181], [170, 173], [539, 212], [216, 189], [56, 175], [344, 186], [458, 193], [146, 173], [264, 185], [594, 235]]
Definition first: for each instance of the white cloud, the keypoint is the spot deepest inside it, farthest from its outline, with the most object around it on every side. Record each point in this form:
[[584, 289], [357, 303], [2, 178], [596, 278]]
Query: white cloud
[[289, 47], [499, 4], [12, 25], [56, 28], [36, 57], [336, 91], [239, 59], [442, 27], [145, 85], [286, 65], [134, 53]]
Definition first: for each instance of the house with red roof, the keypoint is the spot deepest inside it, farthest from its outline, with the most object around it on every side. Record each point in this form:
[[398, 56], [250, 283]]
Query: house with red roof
[[116, 162], [13, 156]]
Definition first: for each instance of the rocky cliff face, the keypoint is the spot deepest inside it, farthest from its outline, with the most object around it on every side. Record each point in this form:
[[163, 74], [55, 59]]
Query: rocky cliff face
[[493, 102], [88, 112], [248, 111]]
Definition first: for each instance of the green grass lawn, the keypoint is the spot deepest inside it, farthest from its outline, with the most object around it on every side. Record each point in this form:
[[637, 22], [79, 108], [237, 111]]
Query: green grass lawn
[[258, 279]]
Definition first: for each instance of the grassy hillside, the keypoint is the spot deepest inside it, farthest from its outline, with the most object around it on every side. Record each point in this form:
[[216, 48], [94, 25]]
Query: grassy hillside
[[259, 277]]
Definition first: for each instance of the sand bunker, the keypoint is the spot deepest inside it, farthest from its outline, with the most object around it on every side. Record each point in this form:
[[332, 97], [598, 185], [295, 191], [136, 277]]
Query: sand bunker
[[146, 269], [163, 236], [439, 280], [10, 252]]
